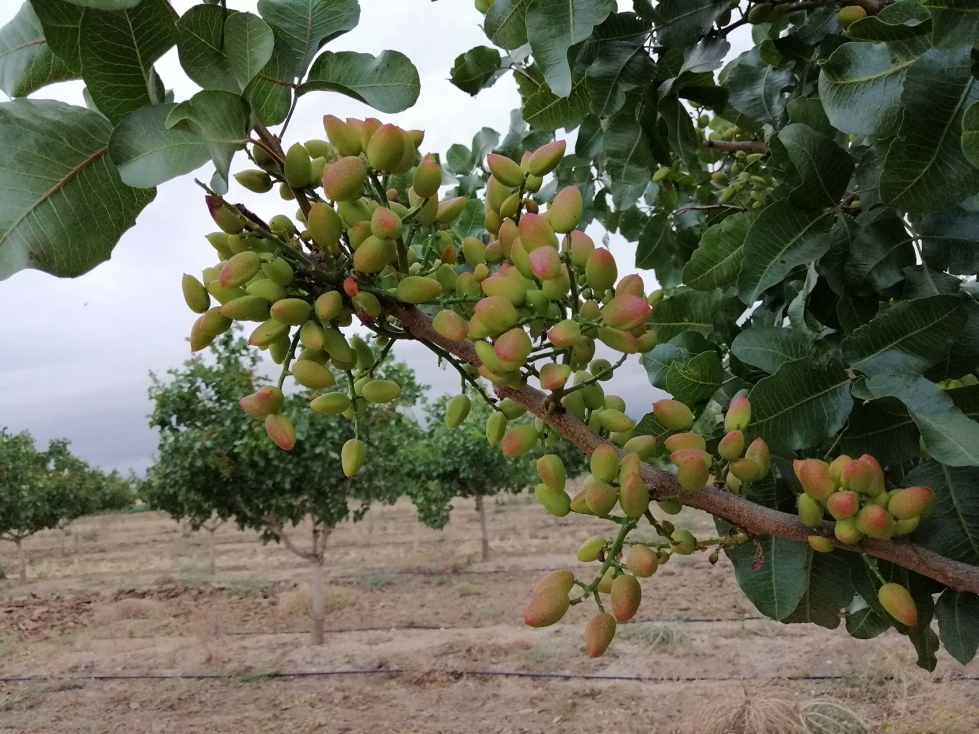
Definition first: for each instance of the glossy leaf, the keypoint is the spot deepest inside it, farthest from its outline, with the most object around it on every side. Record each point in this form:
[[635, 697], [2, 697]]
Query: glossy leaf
[[970, 134], [696, 311], [954, 22], [221, 119], [505, 23], [620, 67], [553, 27], [200, 46], [953, 529], [148, 154], [544, 110], [950, 240], [958, 623], [305, 25], [248, 44], [779, 584], [682, 22], [27, 62], [757, 89], [388, 82], [769, 347], [823, 167], [828, 592], [476, 69], [884, 429], [717, 260], [696, 381]]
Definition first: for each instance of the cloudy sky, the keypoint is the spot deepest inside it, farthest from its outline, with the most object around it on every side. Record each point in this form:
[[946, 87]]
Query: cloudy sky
[[76, 354]]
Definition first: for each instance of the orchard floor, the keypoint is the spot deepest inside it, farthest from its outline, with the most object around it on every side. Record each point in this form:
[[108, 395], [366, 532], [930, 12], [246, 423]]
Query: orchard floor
[[417, 613]]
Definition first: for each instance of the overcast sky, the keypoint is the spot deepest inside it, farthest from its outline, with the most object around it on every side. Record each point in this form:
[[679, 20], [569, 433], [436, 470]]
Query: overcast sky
[[76, 354]]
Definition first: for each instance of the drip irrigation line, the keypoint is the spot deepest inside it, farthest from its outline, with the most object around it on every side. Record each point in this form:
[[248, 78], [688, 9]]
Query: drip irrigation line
[[453, 673]]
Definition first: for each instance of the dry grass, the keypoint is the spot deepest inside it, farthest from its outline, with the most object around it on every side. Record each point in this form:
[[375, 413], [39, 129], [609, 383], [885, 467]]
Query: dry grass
[[755, 711], [298, 602], [829, 717], [657, 637], [125, 609], [208, 627]]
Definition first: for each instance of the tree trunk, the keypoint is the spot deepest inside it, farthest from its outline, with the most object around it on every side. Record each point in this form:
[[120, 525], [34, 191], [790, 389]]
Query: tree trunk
[[481, 509], [211, 552], [21, 560], [318, 616], [65, 532]]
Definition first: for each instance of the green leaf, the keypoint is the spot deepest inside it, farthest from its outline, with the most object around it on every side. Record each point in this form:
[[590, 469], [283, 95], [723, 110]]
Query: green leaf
[[950, 240], [954, 22], [620, 67], [62, 204], [627, 157], [681, 23], [388, 82], [884, 429], [221, 119], [659, 360], [270, 92], [200, 46], [248, 44], [828, 592], [801, 405], [899, 21], [470, 222], [106, 4], [696, 381], [756, 89], [117, 54], [824, 167], [866, 623], [681, 135], [656, 248], [777, 587], [950, 436], [553, 27], [953, 529], [476, 69], [544, 110], [910, 336], [700, 312], [879, 250], [62, 22], [26, 60], [460, 159], [308, 24], [925, 169], [769, 347], [505, 23], [781, 239], [147, 153], [958, 623], [717, 260], [970, 134]]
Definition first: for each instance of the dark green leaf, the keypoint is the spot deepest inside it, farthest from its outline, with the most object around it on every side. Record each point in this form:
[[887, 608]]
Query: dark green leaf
[[553, 27], [907, 337], [307, 24], [470, 222], [476, 69], [658, 361], [62, 204], [879, 250], [707, 55], [920, 281], [248, 44], [147, 153], [696, 381], [970, 133], [958, 622], [866, 623], [925, 169], [953, 529], [828, 591], [590, 141], [883, 429], [681, 22], [544, 110], [106, 4], [899, 21], [801, 405], [620, 67], [682, 136], [270, 93], [950, 240], [388, 82], [62, 22], [505, 23], [117, 53], [769, 347], [954, 22], [824, 167], [656, 247], [757, 89], [778, 586], [460, 159], [221, 119], [700, 312], [781, 239], [717, 260], [200, 45], [26, 60]]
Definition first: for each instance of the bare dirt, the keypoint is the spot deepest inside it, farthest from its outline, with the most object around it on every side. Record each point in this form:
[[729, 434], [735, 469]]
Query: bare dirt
[[108, 635]]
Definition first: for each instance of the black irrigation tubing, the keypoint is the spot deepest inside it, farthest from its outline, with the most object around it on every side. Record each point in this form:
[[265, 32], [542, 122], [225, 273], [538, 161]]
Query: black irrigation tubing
[[454, 673]]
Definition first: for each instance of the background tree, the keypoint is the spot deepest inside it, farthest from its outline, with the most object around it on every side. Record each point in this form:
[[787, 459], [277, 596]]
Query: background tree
[[215, 461]]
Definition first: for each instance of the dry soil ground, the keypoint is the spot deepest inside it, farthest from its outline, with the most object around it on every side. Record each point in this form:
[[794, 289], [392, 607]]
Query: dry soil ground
[[417, 615]]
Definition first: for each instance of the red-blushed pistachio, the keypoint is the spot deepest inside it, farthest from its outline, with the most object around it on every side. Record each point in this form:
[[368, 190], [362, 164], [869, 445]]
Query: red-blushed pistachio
[[374, 254], [820, 544], [582, 247], [291, 311], [633, 495], [312, 375], [836, 467], [563, 580], [875, 522], [457, 410], [746, 470], [410, 156], [546, 158], [385, 224], [557, 503], [877, 484], [565, 210], [685, 441], [564, 334], [910, 502], [246, 308], [546, 607], [505, 170], [545, 262], [386, 147], [589, 549], [731, 447], [897, 602], [846, 531], [843, 504], [450, 209], [673, 414], [645, 446], [599, 633], [631, 285], [551, 470], [604, 463], [554, 376], [450, 325], [600, 270], [213, 322], [507, 234], [228, 219], [428, 177], [240, 269], [641, 561], [519, 440], [512, 348], [814, 476], [615, 421], [280, 430], [810, 511], [534, 232], [738, 415], [758, 452], [626, 311], [620, 341], [684, 542], [496, 313], [367, 129], [601, 497], [350, 286], [626, 597], [418, 289], [345, 137], [494, 252], [297, 168], [381, 391], [343, 180], [352, 456], [264, 401], [857, 476], [195, 294], [692, 468], [495, 427]]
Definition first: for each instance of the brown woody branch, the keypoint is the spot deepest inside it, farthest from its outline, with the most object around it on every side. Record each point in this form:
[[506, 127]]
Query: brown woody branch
[[752, 517]]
